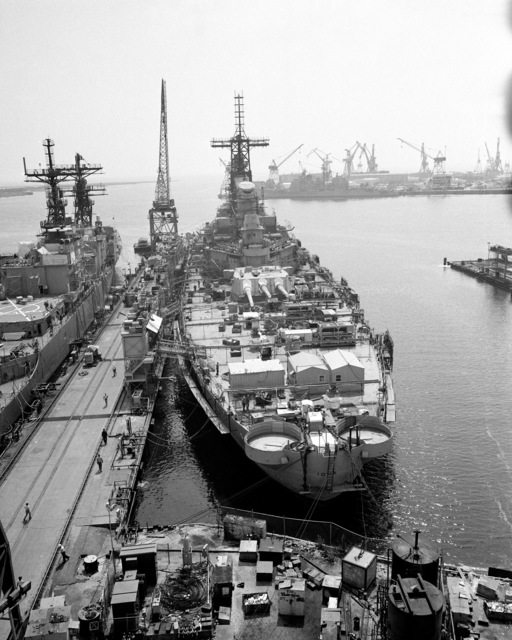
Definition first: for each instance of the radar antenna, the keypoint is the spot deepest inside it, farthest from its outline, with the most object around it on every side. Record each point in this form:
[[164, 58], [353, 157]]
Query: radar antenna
[[240, 145]]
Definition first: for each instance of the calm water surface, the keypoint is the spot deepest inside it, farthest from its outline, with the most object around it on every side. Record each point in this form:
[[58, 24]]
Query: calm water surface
[[450, 474]]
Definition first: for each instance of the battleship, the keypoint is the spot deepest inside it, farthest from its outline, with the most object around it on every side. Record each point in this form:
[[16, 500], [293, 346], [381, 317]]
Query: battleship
[[52, 291], [277, 351]]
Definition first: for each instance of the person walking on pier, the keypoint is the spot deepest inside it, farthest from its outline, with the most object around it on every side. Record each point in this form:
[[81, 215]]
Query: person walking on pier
[[105, 398], [114, 371], [63, 553], [99, 462], [28, 514], [104, 435]]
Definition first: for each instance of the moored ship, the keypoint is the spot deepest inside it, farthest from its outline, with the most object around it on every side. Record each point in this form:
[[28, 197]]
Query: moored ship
[[278, 352], [52, 290]]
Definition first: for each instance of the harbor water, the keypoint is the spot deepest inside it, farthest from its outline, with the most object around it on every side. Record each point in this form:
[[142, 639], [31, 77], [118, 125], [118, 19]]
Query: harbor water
[[450, 474]]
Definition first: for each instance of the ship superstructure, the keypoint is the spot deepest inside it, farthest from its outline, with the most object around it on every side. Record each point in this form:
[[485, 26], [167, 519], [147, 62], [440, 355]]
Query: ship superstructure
[[53, 289], [278, 351]]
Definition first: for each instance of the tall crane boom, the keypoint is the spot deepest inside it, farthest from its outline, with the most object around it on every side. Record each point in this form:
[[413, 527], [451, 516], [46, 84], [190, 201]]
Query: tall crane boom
[[163, 217], [497, 160], [326, 164], [371, 160], [424, 168], [274, 168]]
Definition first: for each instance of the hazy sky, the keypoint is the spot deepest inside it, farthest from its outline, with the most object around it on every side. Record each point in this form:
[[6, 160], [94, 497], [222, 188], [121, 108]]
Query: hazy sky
[[323, 73]]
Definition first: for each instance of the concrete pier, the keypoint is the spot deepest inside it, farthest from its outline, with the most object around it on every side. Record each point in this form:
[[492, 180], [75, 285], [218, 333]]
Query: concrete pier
[[57, 474]]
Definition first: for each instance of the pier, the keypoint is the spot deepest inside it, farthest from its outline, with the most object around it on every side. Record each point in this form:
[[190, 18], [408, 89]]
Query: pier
[[496, 269]]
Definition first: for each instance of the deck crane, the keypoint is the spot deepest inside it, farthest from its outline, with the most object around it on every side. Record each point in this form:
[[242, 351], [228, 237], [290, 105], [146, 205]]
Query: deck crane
[[349, 158], [273, 177], [439, 160], [371, 160], [326, 164]]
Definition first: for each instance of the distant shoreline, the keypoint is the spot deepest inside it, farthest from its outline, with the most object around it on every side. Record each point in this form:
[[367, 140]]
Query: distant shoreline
[[11, 192]]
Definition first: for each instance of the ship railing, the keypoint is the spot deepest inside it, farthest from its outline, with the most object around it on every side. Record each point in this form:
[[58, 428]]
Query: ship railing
[[329, 537]]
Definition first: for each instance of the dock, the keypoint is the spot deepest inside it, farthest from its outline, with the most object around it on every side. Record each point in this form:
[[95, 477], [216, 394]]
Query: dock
[[496, 269], [54, 468]]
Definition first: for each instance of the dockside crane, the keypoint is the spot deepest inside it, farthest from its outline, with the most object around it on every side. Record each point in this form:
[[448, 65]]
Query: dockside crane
[[439, 160], [349, 159], [273, 176], [371, 160], [163, 216], [490, 169], [326, 164], [497, 159]]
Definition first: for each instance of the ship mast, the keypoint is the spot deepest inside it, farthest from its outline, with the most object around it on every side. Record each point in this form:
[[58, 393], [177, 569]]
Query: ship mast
[[81, 191], [240, 145], [163, 217], [52, 175]]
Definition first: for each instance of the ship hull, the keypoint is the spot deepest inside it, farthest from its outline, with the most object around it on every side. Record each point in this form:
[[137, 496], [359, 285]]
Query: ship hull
[[303, 471], [362, 194], [56, 350]]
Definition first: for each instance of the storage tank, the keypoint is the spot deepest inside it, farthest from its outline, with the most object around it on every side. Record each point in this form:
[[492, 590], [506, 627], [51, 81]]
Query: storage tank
[[415, 610], [409, 561]]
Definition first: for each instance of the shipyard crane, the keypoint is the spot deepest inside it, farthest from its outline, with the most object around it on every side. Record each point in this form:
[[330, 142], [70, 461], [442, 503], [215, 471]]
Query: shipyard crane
[[490, 162], [478, 168], [497, 159], [273, 177], [163, 216], [349, 159], [326, 164], [439, 160], [371, 160]]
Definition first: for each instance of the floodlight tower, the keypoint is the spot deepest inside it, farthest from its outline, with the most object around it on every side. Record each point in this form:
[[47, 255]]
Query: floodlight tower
[[163, 217]]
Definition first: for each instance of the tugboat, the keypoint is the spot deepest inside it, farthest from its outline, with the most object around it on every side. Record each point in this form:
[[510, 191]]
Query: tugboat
[[277, 351]]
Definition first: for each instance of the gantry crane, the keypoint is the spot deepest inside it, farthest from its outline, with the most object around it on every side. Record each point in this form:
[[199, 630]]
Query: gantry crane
[[497, 160], [494, 166], [439, 160], [326, 164], [371, 160], [273, 176], [349, 159]]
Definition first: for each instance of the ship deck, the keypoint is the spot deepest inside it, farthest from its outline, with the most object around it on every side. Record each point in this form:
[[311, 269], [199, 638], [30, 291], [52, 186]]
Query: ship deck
[[32, 310], [15, 342], [203, 322]]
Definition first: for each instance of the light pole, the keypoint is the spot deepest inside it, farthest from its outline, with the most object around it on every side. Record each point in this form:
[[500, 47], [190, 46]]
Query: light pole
[[109, 509]]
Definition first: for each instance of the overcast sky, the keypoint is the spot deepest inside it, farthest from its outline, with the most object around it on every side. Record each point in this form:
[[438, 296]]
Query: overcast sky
[[319, 73]]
